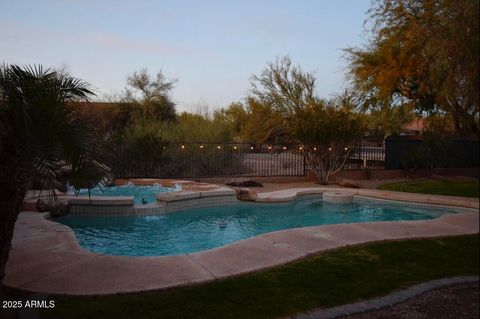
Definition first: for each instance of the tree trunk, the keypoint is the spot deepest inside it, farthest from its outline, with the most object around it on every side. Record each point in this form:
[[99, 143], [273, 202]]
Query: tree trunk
[[11, 200], [325, 166]]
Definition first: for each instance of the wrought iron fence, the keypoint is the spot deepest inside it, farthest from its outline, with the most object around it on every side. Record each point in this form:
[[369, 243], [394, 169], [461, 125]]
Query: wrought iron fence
[[196, 159], [367, 154]]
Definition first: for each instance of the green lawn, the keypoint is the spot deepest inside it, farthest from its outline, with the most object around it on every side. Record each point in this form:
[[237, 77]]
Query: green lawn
[[330, 279], [454, 188]]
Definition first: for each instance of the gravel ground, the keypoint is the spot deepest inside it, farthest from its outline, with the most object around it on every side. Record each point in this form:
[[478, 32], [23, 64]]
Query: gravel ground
[[455, 302]]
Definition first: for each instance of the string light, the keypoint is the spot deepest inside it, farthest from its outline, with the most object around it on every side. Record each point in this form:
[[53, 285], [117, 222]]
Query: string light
[[234, 147], [314, 148], [330, 149], [183, 147], [346, 148], [251, 147], [269, 147], [201, 146], [300, 148], [284, 148], [219, 147]]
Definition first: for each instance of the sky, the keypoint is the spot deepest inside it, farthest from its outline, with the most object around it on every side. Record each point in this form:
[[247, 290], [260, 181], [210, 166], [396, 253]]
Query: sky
[[211, 47]]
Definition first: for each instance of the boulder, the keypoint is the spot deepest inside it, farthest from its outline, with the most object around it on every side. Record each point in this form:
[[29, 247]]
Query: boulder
[[44, 204], [58, 208], [244, 183], [350, 183], [61, 209], [246, 194]]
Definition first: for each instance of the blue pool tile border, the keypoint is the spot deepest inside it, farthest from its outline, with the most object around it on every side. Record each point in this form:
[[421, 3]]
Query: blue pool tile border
[[225, 200]]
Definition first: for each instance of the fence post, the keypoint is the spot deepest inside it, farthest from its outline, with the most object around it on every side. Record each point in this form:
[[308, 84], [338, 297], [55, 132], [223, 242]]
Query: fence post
[[304, 164]]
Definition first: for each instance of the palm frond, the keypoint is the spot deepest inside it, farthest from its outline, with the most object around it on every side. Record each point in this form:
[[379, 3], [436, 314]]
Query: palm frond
[[36, 120], [44, 171]]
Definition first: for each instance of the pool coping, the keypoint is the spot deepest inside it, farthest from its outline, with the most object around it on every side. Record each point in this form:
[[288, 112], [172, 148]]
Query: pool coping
[[46, 257], [190, 194]]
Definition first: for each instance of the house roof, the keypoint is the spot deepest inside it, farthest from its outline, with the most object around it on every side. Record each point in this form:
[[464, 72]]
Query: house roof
[[416, 125]]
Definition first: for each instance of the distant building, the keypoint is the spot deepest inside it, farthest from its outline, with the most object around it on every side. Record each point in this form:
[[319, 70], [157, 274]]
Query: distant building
[[414, 128]]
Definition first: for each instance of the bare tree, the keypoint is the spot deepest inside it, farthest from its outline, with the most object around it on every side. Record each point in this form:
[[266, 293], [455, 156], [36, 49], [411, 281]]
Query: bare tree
[[284, 86], [151, 94]]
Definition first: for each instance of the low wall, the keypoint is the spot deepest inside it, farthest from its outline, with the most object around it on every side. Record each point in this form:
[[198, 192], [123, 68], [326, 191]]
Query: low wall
[[407, 152], [404, 173]]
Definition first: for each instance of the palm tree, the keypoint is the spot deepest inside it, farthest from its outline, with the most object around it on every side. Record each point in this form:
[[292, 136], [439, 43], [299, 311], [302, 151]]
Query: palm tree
[[38, 130]]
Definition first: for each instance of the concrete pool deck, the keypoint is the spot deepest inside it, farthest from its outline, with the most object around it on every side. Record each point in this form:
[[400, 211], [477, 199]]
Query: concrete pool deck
[[46, 257]]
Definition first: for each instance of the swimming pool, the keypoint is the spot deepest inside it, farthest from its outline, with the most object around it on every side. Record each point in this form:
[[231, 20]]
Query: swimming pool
[[142, 194], [205, 228]]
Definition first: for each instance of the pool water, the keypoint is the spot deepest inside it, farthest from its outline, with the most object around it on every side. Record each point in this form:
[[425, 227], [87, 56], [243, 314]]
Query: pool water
[[205, 228], [141, 193]]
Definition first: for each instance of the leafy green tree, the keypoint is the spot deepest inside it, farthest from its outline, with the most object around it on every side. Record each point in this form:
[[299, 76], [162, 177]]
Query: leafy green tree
[[223, 126], [257, 122], [382, 118], [147, 113], [279, 91], [195, 127], [38, 130], [238, 116], [327, 132], [387, 121], [436, 147], [326, 129], [107, 118], [423, 55]]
